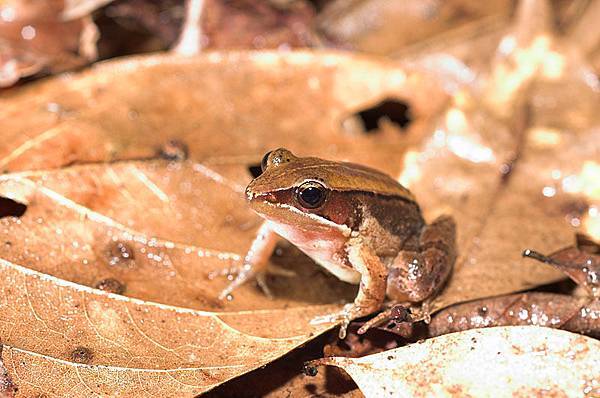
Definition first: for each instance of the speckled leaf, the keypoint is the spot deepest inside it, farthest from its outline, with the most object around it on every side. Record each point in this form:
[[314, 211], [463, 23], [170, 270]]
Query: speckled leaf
[[500, 362], [110, 344], [151, 230], [155, 229]]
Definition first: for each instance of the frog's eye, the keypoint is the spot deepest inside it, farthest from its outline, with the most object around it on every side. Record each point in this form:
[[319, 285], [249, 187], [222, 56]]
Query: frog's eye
[[265, 159], [311, 194]]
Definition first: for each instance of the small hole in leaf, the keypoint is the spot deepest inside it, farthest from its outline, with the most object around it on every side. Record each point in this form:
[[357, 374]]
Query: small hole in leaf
[[255, 170], [397, 112], [11, 208]]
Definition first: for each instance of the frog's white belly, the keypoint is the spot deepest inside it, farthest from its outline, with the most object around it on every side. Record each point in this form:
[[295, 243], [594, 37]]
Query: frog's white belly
[[325, 247], [343, 272]]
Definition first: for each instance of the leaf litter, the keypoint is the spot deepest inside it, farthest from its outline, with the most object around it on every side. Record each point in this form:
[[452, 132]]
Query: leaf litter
[[81, 163]]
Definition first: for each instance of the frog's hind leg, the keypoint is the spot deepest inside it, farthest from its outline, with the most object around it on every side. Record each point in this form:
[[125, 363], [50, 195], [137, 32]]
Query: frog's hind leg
[[424, 264]]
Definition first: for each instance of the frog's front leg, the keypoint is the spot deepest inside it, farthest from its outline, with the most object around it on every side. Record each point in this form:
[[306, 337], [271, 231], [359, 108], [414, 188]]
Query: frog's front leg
[[418, 271], [371, 292], [256, 261]]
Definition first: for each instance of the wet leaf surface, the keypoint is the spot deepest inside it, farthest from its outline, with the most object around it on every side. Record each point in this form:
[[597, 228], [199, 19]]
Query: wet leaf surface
[[511, 361], [575, 314]]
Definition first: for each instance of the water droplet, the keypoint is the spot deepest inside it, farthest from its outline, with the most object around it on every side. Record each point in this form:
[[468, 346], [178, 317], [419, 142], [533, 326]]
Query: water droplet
[[523, 314], [120, 254], [7, 14], [549, 192], [556, 174], [28, 32]]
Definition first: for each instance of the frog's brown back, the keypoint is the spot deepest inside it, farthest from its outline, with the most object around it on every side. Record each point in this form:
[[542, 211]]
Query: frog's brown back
[[284, 171], [343, 176]]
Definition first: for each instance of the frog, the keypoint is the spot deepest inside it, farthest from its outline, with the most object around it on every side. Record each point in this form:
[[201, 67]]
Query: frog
[[358, 223]]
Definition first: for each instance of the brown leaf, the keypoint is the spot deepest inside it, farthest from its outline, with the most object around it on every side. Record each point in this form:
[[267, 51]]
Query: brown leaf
[[37, 37], [98, 208], [575, 314], [238, 24], [530, 168], [227, 108], [510, 361], [155, 229], [126, 343]]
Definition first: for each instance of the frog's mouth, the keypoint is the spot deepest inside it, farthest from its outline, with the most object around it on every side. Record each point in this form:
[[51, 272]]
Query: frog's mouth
[[272, 208], [262, 197]]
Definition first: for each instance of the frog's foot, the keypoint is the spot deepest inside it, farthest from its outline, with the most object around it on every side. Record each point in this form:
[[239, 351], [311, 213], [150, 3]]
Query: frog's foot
[[421, 313], [347, 314], [246, 272], [397, 313]]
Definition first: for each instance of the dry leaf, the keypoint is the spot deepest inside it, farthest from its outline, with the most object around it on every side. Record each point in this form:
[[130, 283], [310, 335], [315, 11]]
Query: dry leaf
[[510, 161], [227, 108], [575, 314], [498, 362], [153, 230], [238, 24], [51, 327], [36, 38]]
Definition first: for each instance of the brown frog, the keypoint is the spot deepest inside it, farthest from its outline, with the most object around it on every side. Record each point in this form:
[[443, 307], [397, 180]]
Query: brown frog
[[358, 223]]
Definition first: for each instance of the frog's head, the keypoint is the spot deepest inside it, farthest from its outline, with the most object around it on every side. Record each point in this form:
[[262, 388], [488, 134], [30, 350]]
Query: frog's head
[[292, 190], [313, 192]]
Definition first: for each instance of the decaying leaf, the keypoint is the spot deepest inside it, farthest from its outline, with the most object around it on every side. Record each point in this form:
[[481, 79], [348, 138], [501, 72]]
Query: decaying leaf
[[532, 156], [49, 36], [500, 362], [66, 339], [227, 108], [156, 228], [575, 314]]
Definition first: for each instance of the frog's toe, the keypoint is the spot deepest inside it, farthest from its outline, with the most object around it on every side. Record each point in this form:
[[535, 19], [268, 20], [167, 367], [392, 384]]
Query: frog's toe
[[276, 270], [243, 274], [343, 318]]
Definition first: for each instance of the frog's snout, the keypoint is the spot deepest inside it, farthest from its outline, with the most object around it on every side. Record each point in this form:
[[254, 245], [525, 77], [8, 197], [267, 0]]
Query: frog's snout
[[249, 194]]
